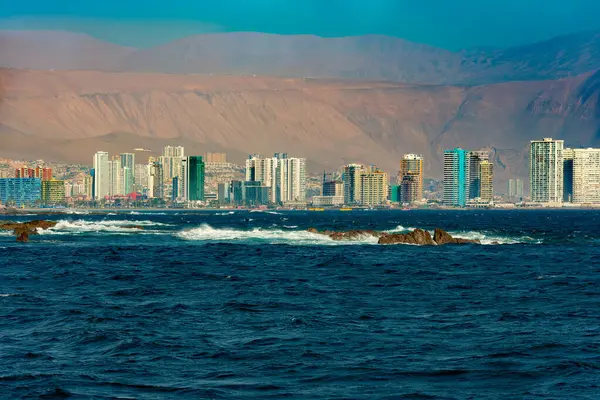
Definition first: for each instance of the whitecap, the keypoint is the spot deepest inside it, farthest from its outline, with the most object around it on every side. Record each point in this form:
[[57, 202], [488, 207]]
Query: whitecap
[[65, 227], [206, 233], [400, 229]]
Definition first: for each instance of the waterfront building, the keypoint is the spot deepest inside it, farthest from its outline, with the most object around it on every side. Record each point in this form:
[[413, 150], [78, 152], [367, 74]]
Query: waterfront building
[[327, 201], [254, 194], [411, 172], [171, 162], [291, 176], [332, 187], [284, 176], [101, 175], [195, 178], [486, 181], [43, 173], [115, 177], [141, 178], [515, 190], [546, 171], [586, 176], [222, 193], [373, 187], [20, 191], [475, 160], [236, 192], [128, 174], [352, 183], [410, 189], [53, 192], [456, 177], [156, 179], [395, 193]]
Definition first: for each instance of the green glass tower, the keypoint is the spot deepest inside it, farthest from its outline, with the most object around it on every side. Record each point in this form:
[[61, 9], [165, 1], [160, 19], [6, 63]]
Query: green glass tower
[[195, 178]]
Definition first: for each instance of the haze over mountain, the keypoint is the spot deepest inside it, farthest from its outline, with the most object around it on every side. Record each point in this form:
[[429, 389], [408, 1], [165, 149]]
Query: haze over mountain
[[369, 57]]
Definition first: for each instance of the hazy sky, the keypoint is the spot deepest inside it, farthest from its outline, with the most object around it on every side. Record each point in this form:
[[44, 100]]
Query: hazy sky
[[452, 24]]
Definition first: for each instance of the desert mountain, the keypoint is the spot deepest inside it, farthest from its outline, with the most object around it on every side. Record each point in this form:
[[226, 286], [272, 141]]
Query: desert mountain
[[69, 115], [360, 57]]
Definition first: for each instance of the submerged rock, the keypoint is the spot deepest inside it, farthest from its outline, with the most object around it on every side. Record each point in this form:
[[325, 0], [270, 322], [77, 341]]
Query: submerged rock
[[23, 237]]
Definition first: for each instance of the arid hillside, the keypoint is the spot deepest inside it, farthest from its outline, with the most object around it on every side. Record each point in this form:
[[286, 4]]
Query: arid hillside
[[69, 115]]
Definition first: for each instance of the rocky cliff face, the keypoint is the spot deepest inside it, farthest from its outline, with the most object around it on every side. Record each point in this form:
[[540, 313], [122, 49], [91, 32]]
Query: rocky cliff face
[[70, 115]]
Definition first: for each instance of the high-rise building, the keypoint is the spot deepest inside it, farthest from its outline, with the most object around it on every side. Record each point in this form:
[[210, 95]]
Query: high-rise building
[[101, 175], [333, 188], [141, 178], [291, 177], [20, 191], [53, 192], [156, 181], [128, 165], [409, 189], [195, 178], [456, 177], [486, 181], [586, 176], [568, 155], [115, 177], [515, 190], [373, 187], [475, 160], [411, 172], [284, 176], [43, 173], [236, 190], [546, 171], [352, 183], [171, 162]]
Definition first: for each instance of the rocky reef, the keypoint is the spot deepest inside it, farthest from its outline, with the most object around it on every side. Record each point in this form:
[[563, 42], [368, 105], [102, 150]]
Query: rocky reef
[[417, 236], [23, 230]]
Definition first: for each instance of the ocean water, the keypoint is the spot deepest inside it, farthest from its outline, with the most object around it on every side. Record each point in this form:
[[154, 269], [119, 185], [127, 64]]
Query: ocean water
[[248, 305]]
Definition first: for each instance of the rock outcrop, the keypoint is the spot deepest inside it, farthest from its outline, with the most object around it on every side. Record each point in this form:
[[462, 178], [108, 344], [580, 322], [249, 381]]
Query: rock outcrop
[[417, 236], [23, 230]]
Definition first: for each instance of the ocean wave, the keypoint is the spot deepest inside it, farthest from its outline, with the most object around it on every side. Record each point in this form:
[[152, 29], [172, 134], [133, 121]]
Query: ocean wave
[[273, 236], [266, 212], [400, 229], [492, 238], [225, 213], [6, 233], [64, 227]]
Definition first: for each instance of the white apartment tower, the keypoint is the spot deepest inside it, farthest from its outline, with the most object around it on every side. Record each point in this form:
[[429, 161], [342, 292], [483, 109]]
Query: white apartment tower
[[115, 177], [286, 177], [586, 176], [101, 175], [546, 171]]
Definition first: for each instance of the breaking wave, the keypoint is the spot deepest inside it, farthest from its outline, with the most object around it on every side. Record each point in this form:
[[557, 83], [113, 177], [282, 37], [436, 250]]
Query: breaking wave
[[273, 236], [64, 227]]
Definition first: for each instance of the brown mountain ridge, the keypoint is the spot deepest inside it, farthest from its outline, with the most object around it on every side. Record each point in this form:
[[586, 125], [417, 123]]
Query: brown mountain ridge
[[69, 115]]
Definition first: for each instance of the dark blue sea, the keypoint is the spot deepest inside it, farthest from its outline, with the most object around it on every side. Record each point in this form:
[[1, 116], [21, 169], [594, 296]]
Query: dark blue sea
[[248, 305]]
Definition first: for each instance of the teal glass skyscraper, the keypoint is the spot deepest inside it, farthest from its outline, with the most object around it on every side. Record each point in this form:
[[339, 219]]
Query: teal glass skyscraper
[[195, 179], [456, 177]]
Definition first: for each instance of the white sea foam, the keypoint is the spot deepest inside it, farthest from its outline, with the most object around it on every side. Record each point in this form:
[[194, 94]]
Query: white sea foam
[[489, 238], [77, 212], [266, 212], [6, 233], [275, 236], [64, 227], [225, 213], [400, 229]]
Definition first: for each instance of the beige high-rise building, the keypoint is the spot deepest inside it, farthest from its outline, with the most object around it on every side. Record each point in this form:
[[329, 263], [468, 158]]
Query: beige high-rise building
[[586, 176], [352, 183], [171, 162], [546, 171], [373, 187], [115, 177], [411, 169], [101, 175], [284, 176], [486, 181]]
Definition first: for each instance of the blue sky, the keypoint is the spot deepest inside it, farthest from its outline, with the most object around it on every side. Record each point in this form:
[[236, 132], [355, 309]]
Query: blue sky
[[453, 24]]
